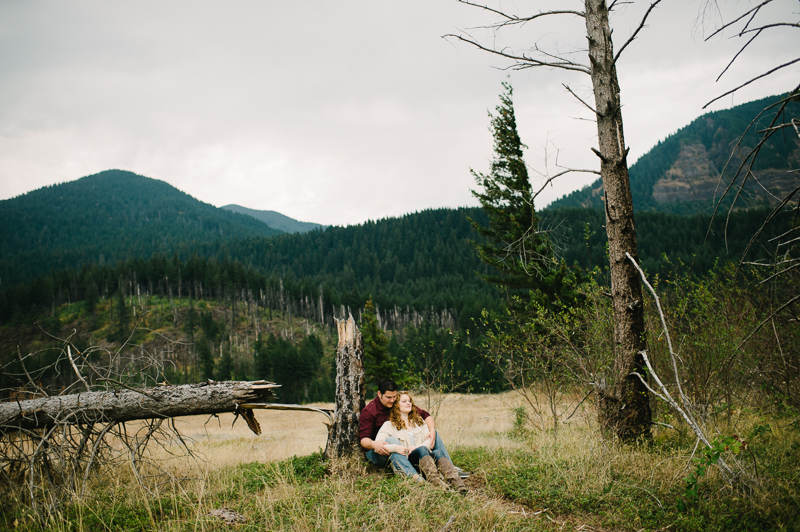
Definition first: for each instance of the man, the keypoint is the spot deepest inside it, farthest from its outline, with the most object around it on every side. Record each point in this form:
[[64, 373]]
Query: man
[[374, 415]]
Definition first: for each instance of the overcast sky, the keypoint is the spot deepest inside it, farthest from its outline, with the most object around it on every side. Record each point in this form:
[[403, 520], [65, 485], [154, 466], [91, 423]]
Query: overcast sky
[[337, 111]]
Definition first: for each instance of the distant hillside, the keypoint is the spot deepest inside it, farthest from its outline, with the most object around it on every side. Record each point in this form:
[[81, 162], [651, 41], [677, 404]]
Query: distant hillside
[[275, 220], [420, 262], [106, 217], [681, 174], [425, 259]]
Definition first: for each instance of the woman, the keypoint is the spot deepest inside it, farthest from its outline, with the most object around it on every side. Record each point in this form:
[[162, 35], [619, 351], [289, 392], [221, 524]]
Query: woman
[[407, 426]]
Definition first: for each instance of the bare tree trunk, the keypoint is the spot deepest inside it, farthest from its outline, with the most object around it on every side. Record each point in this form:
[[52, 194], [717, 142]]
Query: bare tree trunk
[[625, 409], [343, 434], [128, 405]]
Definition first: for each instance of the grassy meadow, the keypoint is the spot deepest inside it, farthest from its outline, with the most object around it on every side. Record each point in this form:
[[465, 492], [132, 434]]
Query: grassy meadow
[[523, 479], [526, 475]]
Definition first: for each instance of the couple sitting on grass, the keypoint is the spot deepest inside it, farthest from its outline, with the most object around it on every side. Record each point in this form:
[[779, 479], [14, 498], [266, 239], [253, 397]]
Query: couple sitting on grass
[[392, 429]]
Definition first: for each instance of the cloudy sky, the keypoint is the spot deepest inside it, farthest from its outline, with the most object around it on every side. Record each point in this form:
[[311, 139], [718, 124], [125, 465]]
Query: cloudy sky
[[338, 111]]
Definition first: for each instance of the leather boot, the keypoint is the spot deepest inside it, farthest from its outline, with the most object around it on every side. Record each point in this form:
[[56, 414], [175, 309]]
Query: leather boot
[[451, 475], [428, 467]]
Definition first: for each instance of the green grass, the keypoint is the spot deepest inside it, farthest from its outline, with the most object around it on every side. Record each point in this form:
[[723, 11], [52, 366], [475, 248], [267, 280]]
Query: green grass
[[547, 488]]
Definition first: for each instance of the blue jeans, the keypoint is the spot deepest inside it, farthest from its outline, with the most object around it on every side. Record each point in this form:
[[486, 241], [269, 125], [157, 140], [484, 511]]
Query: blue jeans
[[400, 463]]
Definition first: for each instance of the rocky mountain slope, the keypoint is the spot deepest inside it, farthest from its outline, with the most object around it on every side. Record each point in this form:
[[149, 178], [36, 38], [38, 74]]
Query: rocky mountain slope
[[689, 171]]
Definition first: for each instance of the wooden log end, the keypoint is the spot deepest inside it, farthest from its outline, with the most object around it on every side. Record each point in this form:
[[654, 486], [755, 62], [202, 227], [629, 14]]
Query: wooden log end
[[250, 418]]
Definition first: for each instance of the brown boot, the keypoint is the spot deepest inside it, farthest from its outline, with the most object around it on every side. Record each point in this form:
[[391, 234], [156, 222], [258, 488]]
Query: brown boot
[[451, 475], [428, 467]]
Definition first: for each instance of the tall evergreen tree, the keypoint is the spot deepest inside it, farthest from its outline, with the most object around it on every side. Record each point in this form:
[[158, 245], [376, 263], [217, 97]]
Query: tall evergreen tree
[[512, 244], [378, 363]]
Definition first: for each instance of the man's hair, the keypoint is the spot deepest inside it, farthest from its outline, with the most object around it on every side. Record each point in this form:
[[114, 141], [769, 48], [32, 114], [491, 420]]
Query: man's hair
[[387, 385]]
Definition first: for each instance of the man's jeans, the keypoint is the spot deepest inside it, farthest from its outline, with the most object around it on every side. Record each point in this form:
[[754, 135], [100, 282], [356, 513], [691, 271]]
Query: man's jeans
[[400, 463]]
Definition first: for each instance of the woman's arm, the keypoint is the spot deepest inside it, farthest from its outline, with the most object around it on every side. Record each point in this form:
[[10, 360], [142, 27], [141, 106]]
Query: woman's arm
[[398, 448], [386, 431]]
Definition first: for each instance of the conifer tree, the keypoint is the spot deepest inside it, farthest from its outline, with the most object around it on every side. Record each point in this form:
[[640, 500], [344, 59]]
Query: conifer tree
[[206, 358], [90, 297], [522, 256], [225, 367], [378, 363], [263, 367]]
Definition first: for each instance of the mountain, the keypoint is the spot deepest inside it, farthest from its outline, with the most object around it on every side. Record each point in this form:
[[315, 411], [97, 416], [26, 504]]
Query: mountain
[[105, 217], [275, 220], [420, 264], [681, 174]]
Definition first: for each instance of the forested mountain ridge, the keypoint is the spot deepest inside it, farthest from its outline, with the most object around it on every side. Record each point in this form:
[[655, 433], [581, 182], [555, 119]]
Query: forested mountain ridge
[[681, 174], [105, 217], [425, 259], [421, 262], [275, 220]]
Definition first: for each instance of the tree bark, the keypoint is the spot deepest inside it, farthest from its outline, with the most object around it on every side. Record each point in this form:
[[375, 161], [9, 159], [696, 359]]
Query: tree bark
[[625, 407], [343, 434], [129, 405]]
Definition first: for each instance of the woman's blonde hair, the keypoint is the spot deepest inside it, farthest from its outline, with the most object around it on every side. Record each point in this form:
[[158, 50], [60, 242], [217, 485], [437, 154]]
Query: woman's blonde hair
[[414, 419]]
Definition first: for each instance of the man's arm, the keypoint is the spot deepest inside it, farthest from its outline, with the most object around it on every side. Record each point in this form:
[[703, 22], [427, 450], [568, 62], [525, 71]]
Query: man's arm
[[432, 428], [366, 424], [379, 447]]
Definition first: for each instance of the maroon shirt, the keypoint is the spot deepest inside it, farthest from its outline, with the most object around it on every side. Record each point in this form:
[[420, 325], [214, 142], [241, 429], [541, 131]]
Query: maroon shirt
[[374, 416]]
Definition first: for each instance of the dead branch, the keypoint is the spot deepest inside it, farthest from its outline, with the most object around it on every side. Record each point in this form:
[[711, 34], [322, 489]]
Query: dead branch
[[523, 61], [770, 317], [684, 409], [752, 12], [513, 19], [571, 170], [746, 83], [36, 387], [635, 33], [327, 412], [748, 161], [74, 367], [579, 99]]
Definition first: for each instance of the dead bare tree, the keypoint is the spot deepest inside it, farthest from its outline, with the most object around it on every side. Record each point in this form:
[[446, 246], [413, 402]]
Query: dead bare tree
[[343, 431], [625, 404]]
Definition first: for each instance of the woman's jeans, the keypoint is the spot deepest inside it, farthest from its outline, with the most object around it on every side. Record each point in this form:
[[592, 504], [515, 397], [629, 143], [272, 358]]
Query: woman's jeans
[[401, 463]]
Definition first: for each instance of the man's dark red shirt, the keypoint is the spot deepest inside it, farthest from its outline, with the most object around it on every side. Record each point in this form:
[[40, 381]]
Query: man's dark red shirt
[[374, 416]]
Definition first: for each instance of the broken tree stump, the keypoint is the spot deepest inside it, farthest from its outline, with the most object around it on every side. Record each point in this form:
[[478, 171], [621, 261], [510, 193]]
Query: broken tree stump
[[130, 404], [343, 432]]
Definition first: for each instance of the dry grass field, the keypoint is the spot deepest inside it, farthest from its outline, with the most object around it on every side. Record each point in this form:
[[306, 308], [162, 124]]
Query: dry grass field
[[463, 420]]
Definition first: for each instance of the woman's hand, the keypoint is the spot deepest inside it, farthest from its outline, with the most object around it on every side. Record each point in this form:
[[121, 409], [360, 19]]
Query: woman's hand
[[405, 451]]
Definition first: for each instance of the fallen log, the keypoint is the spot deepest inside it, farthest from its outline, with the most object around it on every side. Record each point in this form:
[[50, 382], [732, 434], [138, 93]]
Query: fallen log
[[129, 404]]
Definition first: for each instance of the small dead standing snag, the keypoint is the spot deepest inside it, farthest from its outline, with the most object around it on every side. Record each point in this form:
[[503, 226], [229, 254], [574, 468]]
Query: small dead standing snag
[[343, 432]]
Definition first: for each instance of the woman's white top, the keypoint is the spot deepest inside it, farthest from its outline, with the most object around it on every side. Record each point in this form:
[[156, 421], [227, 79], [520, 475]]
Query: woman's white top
[[408, 438]]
